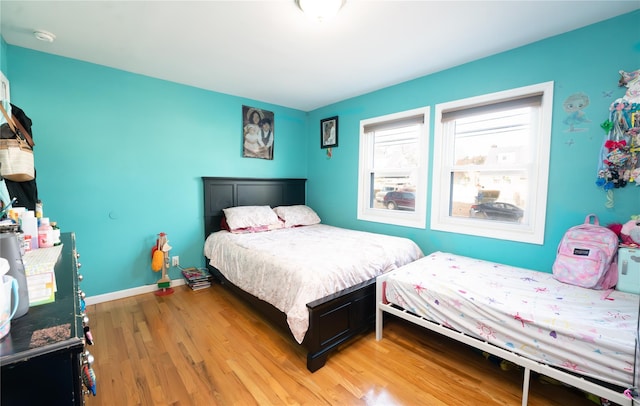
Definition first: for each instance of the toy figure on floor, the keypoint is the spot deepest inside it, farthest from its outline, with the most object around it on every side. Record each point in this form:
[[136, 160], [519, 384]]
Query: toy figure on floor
[[160, 262]]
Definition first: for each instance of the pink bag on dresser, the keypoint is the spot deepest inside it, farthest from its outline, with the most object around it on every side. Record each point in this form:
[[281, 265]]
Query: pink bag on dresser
[[587, 256]]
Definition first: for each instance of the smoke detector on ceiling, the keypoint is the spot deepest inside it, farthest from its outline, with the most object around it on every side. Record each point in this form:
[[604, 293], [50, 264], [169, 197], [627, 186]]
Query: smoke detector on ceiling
[[44, 36]]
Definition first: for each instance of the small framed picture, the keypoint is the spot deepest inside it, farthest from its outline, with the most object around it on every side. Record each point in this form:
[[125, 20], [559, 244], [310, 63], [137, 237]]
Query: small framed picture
[[4, 89], [329, 132]]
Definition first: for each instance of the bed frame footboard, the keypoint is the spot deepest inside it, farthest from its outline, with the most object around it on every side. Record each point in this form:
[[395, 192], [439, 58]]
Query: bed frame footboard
[[335, 319], [529, 365]]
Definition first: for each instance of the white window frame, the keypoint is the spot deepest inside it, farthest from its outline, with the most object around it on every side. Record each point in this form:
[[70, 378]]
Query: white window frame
[[416, 218], [530, 231]]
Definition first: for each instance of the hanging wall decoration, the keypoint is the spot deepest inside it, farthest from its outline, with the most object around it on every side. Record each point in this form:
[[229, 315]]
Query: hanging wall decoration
[[619, 163], [574, 106], [329, 134], [258, 129], [5, 95]]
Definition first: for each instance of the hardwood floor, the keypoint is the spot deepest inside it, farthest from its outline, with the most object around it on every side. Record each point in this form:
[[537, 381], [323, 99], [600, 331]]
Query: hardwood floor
[[208, 348]]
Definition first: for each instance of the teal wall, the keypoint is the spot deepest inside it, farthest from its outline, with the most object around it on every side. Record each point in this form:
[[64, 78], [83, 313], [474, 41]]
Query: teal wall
[[3, 53], [119, 156], [586, 60]]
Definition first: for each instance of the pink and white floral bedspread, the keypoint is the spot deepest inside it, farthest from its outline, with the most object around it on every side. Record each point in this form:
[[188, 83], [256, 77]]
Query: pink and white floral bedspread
[[294, 266], [524, 311]]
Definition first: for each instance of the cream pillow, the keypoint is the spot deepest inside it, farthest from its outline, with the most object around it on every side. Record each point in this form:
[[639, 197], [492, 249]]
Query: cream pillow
[[247, 217], [297, 215]]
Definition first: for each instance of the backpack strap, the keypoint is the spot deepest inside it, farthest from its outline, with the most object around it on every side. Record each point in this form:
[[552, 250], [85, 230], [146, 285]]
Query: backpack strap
[[587, 219], [9, 120], [13, 124], [605, 294]]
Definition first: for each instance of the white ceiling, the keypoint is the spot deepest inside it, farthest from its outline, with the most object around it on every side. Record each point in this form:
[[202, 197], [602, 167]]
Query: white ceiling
[[267, 50]]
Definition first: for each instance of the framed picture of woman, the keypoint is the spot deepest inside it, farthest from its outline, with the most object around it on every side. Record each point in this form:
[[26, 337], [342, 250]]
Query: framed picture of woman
[[257, 133], [329, 132]]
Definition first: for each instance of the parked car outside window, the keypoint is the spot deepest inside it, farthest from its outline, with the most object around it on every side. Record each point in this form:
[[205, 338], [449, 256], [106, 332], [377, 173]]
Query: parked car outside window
[[497, 211], [400, 200], [381, 194]]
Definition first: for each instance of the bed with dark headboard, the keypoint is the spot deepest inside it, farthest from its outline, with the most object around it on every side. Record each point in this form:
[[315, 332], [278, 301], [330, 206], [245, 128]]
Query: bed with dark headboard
[[333, 320]]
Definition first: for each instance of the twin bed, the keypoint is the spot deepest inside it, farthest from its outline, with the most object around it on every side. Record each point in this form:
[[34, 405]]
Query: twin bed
[[583, 337], [575, 335]]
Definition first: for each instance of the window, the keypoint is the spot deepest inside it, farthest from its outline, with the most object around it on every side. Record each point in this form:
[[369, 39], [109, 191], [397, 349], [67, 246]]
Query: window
[[491, 164], [392, 184]]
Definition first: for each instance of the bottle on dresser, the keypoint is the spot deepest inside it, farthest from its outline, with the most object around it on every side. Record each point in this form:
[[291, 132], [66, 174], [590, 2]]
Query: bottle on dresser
[[56, 233], [45, 233], [29, 225]]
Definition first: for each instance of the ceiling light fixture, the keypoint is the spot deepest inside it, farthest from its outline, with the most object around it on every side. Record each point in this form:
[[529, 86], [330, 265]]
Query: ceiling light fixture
[[321, 9], [44, 36]]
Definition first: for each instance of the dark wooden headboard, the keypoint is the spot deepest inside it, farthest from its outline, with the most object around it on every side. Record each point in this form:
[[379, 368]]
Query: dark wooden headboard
[[220, 193]]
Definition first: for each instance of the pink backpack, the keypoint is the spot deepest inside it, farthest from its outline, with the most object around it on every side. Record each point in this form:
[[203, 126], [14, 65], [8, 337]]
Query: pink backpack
[[587, 256]]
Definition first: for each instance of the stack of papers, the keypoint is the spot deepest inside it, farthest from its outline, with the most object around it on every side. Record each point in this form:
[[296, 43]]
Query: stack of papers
[[39, 267]]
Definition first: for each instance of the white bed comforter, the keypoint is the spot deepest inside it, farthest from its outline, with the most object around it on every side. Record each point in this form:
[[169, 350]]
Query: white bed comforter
[[586, 331], [292, 267]]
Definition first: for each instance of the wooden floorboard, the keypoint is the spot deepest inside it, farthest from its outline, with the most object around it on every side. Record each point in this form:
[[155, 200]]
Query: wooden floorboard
[[207, 348]]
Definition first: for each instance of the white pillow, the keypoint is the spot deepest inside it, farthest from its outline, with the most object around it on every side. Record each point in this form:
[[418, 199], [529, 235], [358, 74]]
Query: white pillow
[[298, 215], [241, 217]]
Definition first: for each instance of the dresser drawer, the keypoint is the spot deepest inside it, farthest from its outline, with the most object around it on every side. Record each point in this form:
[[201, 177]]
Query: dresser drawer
[[629, 270]]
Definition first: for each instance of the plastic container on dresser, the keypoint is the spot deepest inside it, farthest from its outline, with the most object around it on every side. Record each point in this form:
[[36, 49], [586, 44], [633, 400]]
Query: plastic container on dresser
[[629, 270], [44, 357]]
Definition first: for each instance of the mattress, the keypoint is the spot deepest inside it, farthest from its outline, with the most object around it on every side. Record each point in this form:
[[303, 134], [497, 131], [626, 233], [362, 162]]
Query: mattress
[[587, 332], [291, 267]]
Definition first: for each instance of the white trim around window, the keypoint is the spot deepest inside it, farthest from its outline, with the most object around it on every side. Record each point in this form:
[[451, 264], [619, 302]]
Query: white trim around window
[[527, 163], [394, 151]]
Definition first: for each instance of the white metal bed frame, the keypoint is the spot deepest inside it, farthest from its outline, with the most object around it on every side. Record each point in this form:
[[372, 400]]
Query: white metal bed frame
[[528, 364]]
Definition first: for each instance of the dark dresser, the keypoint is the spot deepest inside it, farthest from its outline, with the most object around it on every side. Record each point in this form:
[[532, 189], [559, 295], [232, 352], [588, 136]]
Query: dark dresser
[[43, 357]]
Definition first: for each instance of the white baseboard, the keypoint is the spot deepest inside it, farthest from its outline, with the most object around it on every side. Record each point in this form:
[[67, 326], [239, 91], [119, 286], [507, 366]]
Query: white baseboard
[[121, 294]]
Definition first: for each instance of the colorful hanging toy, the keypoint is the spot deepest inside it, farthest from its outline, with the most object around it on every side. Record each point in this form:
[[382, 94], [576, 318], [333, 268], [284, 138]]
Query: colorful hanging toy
[[160, 262], [89, 379], [620, 154]]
